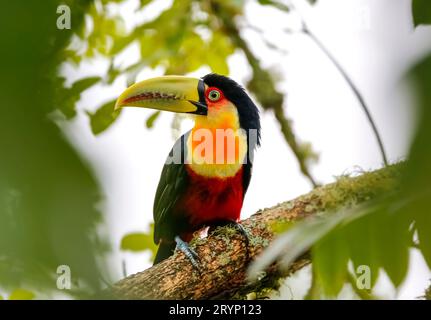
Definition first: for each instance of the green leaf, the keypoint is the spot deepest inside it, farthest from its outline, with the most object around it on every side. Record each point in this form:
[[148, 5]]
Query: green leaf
[[330, 256], [392, 243], [72, 56], [21, 294], [103, 118], [66, 98], [423, 225], [83, 84], [150, 121], [135, 242], [139, 241], [361, 238], [145, 2], [417, 178], [67, 107], [111, 1], [421, 12], [152, 48], [120, 43], [275, 4], [113, 73], [218, 64]]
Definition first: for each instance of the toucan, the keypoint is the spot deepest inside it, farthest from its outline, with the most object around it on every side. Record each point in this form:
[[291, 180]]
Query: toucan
[[208, 171]]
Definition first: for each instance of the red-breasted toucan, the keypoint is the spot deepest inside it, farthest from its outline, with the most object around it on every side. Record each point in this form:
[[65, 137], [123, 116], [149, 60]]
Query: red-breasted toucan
[[202, 184]]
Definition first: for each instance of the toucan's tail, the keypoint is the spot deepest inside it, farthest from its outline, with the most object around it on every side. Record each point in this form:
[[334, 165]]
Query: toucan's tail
[[166, 249]]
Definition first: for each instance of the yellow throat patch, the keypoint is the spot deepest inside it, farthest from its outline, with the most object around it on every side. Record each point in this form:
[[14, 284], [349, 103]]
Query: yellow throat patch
[[217, 146]]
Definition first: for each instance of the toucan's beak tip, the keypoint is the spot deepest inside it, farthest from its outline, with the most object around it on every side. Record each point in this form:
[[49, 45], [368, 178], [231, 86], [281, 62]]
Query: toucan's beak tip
[[122, 99], [118, 104]]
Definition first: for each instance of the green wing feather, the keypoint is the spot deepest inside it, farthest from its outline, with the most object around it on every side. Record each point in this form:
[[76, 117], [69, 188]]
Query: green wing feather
[[172, 185]]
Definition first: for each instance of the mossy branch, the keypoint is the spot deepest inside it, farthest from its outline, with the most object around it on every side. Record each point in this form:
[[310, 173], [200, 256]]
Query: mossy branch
[[223, 253]]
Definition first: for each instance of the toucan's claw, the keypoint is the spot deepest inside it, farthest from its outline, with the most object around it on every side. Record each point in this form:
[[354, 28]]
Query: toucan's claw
[[244, 232], [188, 252]]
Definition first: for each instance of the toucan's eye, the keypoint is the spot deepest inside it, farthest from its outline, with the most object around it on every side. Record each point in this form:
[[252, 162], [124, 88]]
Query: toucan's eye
[[214, 95]]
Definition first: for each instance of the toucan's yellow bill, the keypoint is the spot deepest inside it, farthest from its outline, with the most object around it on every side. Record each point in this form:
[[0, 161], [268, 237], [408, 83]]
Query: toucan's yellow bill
[[170, 93]]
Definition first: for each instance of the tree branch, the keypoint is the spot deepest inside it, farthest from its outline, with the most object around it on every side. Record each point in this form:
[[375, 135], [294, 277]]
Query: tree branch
[[223, 253]]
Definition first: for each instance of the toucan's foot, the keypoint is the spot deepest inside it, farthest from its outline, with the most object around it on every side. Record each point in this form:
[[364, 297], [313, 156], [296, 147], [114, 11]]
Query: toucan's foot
[[188, 252], [244, 233], [237, 226]]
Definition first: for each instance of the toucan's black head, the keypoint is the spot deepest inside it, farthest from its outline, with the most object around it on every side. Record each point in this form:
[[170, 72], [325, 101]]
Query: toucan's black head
[[248, 113]]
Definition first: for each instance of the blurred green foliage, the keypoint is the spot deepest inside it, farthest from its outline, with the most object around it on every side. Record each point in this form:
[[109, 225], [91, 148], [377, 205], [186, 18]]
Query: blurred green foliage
[[21, 294], [139, 241], [152, 119], [103, 117], [418, 177], [421, 12], [47, 193], [66, 98]]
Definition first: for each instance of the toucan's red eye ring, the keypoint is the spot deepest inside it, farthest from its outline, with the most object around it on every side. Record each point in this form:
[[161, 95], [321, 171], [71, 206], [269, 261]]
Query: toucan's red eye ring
[[214, 94]]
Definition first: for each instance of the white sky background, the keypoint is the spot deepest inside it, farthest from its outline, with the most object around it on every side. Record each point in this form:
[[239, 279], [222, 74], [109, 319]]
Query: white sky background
[[374, 41]]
